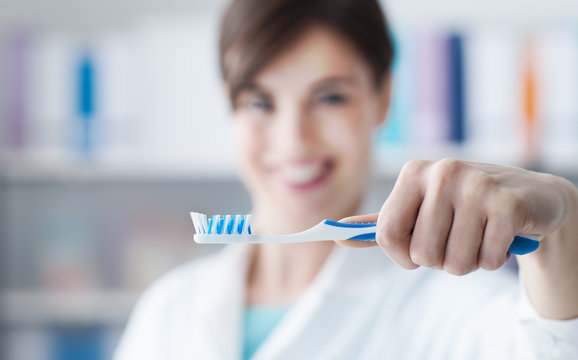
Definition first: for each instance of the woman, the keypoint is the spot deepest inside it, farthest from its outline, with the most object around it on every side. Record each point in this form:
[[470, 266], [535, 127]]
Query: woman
[[309, 83]]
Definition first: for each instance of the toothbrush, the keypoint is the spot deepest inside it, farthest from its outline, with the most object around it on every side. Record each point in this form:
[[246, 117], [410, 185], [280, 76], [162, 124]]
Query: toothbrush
[[230, 229]]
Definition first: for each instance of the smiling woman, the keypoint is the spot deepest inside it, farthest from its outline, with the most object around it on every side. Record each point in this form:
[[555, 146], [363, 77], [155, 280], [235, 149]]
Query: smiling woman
[[303, 130], [309, 83]]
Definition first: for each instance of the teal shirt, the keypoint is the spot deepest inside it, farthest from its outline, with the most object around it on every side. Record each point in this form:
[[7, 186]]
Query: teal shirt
[[258, 322]]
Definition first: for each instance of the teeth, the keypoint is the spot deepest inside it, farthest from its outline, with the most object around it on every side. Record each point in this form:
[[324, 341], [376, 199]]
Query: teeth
[[301, 174]]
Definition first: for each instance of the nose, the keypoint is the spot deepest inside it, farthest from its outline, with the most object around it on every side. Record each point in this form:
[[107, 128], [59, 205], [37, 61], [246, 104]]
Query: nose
[[296, 132]]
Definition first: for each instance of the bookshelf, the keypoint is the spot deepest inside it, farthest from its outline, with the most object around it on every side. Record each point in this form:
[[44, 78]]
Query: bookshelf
[[136, 170], [138, 133], [79, 246], [109, 206], [38, 308]]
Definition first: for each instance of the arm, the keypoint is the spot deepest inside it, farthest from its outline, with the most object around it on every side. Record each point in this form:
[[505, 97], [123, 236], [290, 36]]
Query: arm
[[460, 216], [551, 273]]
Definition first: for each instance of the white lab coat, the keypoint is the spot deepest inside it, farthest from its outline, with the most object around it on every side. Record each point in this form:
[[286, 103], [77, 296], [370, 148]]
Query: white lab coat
[[360, 306]]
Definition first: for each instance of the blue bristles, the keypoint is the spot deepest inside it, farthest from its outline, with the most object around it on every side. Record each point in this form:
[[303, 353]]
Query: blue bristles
[[209, 230], [230, 227], [240, 226]]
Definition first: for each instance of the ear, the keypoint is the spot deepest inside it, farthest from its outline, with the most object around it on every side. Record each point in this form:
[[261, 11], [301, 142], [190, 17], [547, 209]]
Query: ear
[[384, 94]]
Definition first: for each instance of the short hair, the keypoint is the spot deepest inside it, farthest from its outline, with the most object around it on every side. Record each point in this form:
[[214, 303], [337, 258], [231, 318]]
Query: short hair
[[253, 32]]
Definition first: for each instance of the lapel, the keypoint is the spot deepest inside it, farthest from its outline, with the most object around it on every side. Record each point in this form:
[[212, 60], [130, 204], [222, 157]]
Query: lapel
[[220, 312], [319, 323], [337, 302]]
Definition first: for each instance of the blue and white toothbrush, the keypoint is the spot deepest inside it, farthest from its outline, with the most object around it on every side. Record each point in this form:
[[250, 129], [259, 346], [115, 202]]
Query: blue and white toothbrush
[[229, 229]]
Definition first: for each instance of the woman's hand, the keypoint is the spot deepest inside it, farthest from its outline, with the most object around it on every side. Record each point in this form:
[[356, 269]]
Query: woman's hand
[[460, 216]]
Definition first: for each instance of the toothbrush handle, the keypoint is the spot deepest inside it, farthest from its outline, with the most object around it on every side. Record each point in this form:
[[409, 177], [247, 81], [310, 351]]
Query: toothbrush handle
[[520, 246], [524, 244]]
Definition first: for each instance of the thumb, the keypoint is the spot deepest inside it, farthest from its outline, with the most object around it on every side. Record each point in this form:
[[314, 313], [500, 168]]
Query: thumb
[[356, 220]]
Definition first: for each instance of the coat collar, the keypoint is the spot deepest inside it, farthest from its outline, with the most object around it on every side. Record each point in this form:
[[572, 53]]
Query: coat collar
[[342, 280], [341, 284], [220, 312]]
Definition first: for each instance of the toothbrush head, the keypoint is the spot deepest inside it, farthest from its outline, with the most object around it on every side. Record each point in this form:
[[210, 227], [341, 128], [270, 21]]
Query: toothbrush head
[[221, 224]]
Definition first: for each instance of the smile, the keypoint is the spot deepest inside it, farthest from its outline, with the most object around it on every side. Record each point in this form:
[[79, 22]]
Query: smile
[[305, 176]]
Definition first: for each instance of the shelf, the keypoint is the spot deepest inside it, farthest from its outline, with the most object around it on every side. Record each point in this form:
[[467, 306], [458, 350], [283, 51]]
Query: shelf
[[388, 162], [38, 307], [492, 12], [16, 170]]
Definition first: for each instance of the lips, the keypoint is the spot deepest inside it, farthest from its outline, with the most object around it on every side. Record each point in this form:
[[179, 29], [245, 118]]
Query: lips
[[305, 175]]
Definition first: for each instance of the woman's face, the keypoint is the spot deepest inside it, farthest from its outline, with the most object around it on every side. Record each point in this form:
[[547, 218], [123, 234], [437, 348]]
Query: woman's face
[[303, 131]]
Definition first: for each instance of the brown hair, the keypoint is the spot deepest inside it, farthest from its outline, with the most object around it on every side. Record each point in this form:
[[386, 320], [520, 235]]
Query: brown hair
[[253, 32]]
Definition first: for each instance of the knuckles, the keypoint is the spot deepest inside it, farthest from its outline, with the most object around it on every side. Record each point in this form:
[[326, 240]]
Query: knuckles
[[478, 182], [448, 167], [505, 203], [413, 169], [508, 207]]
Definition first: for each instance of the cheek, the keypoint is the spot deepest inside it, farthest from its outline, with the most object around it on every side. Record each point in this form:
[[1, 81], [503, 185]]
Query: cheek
[[248, 143], [350, 132]]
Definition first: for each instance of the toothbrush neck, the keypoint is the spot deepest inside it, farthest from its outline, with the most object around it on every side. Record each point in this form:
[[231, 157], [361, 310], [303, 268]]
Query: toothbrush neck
[[269, 219]]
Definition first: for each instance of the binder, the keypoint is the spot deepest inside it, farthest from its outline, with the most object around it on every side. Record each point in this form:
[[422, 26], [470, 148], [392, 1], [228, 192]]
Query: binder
[[493, 87], [456, 89], [77, 342], [430, 126], [557, 73]]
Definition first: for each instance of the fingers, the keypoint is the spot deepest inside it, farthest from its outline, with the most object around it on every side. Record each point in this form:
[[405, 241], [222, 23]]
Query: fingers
[[370, 218], [494, 248], [464, 241], [398, 215], [432, 227], [454, 215], [507, 216], [450, 215]]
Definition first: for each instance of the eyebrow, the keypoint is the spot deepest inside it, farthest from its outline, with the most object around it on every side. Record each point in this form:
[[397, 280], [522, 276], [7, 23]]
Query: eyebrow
[[334, 80], [248, 87], [326, 82], [252, 87]]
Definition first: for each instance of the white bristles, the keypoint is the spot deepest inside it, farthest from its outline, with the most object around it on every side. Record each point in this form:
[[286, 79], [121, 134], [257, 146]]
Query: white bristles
[[216, 220], [236, 220], [195, 222], [205, 223], [199, 222], [224, 229], [246, 224]]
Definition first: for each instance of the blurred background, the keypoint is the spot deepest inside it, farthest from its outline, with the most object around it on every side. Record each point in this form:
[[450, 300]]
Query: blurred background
[[113, 126]]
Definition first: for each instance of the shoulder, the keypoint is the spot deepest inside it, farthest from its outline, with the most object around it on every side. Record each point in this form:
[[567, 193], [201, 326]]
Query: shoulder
[[161, 312], [180, 282]]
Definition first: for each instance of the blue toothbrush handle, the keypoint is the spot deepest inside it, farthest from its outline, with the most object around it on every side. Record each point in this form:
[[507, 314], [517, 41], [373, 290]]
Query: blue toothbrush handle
[[520, 246], [523, 245]]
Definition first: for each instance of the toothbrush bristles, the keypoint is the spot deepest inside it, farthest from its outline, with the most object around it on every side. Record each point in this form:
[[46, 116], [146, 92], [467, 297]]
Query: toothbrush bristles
[[221, 225]]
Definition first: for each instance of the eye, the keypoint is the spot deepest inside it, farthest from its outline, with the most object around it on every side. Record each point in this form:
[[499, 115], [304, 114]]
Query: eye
[[333, 99], [260, 104]]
